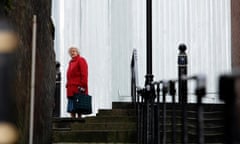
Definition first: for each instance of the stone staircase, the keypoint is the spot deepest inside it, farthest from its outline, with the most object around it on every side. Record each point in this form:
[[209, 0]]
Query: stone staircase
[[118, 126]]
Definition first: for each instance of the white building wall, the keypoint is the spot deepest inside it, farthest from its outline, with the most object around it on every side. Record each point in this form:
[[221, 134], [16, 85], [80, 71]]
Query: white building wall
[[106, 31], [95, 46], [204, 26], [85, 24], [122, 46]]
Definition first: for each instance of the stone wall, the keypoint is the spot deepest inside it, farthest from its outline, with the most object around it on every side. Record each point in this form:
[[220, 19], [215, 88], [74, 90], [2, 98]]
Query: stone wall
[[22, 13]]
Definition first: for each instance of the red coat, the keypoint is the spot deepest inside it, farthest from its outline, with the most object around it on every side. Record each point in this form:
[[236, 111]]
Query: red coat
[[77, 75]]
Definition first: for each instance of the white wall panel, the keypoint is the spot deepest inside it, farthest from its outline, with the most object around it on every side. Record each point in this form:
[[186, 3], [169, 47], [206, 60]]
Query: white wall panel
[[106, 31], [204, 26], [95, 46], [122, 45], [86, 25]]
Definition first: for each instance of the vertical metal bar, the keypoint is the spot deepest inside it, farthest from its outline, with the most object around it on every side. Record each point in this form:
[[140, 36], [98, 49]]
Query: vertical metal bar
[[149, 96], [157, 131], [200, 125], [34, 35], [149, 36], [164, 113], [138, 119], [200, 92], [142, 120], [144, 125], [184, 124], [152, 119], [148, 122], [172, 92], [182, 71]]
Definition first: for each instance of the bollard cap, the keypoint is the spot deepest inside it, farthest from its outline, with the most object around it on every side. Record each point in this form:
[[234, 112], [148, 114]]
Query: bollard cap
[[182, 47]]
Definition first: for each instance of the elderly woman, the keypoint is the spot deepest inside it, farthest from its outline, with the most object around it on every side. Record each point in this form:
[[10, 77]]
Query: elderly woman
[[77, 79]]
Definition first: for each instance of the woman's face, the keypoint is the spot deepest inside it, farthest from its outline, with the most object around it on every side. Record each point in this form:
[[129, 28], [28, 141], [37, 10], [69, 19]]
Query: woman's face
[[73, 52]]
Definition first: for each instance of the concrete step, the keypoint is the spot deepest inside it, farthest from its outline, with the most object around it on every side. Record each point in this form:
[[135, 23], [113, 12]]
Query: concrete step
[[119, 125], [92, 143], [114, 143], [124, 136], [132, 126], [122, 105], [191, 106], [104, 126], [132, 112], [65, 122], [116, 119], [95, 136], [116, 112], [132, 119]]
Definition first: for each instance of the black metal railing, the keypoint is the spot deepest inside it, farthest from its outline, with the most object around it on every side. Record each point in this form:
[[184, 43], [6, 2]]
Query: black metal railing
[[151, 105], [152, 115]]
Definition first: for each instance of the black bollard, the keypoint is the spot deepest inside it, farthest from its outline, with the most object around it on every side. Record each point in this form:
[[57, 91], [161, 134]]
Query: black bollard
[[182, 71], [182, 89], [57, 95]]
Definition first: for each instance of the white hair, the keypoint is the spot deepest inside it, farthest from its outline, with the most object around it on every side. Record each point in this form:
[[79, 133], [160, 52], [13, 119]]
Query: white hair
[[73, 47]]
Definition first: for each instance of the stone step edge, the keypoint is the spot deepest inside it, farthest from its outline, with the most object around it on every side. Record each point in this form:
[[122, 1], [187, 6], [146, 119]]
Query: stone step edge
[[168, 131], [112, 143], [91, 143]]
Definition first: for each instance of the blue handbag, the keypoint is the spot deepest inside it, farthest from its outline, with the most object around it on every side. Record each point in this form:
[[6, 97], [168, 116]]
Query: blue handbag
[[82, 103]]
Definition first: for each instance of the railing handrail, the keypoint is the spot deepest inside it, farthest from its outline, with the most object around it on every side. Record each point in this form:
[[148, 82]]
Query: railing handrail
[[134, 76]]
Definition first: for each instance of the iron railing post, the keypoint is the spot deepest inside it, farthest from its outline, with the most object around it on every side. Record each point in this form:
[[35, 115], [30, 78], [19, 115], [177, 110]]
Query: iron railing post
[[158, 127], [138, 109], [149, 96], [164, 93], [172, 92], [182, 89], [200, 92], [182, 71]]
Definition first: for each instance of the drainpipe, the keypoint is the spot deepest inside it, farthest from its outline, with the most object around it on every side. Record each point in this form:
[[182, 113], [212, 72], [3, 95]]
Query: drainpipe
[[34, 36]]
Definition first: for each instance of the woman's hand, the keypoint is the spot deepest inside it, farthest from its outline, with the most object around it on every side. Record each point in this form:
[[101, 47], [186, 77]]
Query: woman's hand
[[81, 90]]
